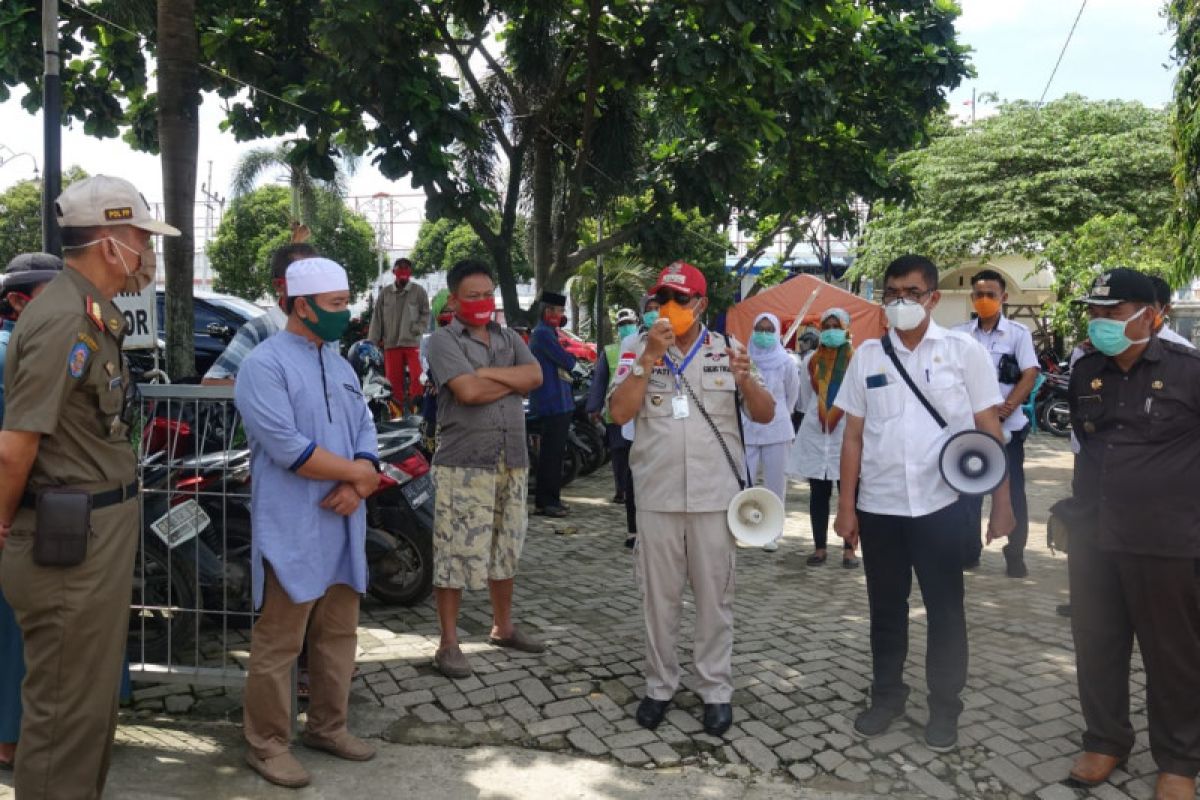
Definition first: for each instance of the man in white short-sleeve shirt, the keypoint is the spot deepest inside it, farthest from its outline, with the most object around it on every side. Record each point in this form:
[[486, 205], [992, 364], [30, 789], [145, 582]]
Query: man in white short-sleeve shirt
[[907, 517], [1010, 345]]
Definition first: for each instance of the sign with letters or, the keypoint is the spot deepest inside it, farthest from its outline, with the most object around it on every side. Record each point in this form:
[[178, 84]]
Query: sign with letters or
[[140, 312]]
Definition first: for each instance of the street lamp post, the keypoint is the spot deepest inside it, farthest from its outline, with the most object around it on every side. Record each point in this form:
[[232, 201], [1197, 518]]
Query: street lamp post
[[51, 129]]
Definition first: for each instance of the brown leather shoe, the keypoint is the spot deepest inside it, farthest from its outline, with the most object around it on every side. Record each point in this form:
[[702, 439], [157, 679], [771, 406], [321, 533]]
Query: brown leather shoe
[[281, 770], [451, 662], [344, 745], [1093, 769], [1174, 787]]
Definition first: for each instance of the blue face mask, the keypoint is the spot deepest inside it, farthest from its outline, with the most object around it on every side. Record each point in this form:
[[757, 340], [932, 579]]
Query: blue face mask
[[1108, 335], [763, 339], [834, 337], [625, 331], [649, 318]]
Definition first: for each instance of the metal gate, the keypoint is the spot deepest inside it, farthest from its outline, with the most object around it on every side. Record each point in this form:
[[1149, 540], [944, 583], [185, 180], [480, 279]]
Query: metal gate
[[191, 611]]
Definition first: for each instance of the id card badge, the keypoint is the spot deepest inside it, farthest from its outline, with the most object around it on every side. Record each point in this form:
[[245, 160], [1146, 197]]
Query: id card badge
[[679, 406]]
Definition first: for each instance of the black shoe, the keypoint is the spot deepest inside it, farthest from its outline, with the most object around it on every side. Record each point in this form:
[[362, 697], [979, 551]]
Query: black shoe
[[618, 498], [717, 718], [650, 712], [1014, 564], [1063, 610], [630, 541], [941, 733], [876, 719]]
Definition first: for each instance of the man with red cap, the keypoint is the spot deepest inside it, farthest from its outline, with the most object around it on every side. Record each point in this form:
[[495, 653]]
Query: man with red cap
[[400, 318], [682, 387]]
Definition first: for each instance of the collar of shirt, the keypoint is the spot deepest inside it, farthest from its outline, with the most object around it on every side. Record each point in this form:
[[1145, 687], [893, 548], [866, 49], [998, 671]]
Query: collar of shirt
[[459, 329], [932, 334], [1002, 326]]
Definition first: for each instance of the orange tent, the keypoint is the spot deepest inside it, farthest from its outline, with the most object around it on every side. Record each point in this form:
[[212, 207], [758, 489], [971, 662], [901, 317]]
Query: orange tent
[[867, 320]]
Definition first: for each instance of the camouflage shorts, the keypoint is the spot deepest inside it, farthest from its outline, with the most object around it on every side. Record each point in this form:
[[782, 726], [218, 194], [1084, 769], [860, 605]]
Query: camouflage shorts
[[479, 525]]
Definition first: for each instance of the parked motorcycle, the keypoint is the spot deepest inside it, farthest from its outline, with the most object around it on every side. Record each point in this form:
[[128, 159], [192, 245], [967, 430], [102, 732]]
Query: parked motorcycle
[[367, 360], [400, 520], [1051, 406]]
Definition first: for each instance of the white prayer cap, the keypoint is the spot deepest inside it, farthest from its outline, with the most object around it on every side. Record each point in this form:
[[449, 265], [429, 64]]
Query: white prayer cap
[[310, 276]]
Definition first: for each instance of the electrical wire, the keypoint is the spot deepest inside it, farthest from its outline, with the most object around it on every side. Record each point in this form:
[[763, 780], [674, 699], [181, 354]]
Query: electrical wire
[[1062, 53]]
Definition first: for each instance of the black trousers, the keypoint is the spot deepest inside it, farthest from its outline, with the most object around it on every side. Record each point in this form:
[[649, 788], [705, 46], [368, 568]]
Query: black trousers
[[819, 493], [893, 549], [1116, 597], [1015, 546], [630, 499], [550, 458], [620, 468]]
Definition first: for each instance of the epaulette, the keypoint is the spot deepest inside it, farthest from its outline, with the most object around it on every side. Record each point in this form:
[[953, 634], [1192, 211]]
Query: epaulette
[[92, 311]]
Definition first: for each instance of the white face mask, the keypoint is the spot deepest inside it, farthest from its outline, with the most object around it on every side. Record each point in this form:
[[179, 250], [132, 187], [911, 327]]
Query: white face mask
[[147, 268], [904, 316]]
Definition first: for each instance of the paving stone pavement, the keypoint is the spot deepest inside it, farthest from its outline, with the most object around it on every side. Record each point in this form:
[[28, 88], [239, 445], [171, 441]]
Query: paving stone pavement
[[801, 662]]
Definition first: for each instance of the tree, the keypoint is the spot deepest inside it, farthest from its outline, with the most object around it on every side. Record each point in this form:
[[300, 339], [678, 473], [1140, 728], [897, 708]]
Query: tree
[[443, 242], [21, 215], [1102, 242], [772, 108], [1185, 131], [1014, 182], [625, 282], [305, 188], [260, 221]]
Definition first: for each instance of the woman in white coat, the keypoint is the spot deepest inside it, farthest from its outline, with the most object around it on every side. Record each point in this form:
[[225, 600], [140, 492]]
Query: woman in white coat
[[767, 444], [816, 454]]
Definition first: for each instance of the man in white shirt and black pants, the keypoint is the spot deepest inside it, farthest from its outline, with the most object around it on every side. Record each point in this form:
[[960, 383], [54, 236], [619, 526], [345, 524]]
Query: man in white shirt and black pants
[[1010, 344], [908, 517]]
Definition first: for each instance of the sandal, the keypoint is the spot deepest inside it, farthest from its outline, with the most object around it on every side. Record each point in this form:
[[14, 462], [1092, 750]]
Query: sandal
[[816, 560]]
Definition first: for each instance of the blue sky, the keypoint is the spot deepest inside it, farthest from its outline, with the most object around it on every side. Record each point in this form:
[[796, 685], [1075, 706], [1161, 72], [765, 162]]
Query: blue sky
[[1121, 49]]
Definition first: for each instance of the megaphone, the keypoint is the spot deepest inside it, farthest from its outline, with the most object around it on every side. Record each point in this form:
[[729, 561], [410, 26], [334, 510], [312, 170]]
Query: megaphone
[[973, 462], [755, 517]]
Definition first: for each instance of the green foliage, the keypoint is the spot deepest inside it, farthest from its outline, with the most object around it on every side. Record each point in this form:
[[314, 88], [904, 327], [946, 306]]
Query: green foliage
[[625, 283], [771, 276], [1185, 131], [21, 215], [1100, 243], [260, 221], [443, 242], [1014, 182]]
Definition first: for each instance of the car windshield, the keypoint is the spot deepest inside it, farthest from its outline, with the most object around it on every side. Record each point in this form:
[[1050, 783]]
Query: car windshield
[[237, 305]]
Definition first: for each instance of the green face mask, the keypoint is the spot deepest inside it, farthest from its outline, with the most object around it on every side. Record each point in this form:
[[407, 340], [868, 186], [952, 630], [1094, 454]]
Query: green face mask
[[625, 331], [330, 325]]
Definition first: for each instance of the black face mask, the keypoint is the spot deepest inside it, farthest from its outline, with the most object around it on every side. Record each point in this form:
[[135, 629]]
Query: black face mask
[[562, 321]]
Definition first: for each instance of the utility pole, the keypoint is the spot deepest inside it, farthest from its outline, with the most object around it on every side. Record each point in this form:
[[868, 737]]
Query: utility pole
[[601, 317], [973, 105], [51, 129], [211, 199]]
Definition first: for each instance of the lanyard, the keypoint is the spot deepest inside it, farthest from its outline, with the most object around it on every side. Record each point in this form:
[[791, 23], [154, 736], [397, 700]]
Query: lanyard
[[677, 372]]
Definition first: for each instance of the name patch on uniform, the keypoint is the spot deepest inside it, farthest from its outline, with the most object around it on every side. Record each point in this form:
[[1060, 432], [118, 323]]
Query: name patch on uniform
[[716, 369], [113, 214], [77, 361]]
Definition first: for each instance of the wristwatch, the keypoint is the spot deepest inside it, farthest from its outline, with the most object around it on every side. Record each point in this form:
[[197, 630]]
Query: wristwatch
[[638, 370]]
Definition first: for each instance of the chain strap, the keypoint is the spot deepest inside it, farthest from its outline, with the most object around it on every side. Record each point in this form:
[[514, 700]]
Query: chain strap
[[742, 484]]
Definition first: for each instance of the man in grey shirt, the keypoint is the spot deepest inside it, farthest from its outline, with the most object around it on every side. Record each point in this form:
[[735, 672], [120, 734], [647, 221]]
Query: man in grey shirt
[[480, 467]]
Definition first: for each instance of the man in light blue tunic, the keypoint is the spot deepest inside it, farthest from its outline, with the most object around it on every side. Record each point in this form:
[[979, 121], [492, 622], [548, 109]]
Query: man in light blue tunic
[[313, 460]]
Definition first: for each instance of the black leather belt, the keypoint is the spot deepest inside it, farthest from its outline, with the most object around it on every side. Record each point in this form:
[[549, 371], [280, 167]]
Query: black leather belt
[[99, 500]]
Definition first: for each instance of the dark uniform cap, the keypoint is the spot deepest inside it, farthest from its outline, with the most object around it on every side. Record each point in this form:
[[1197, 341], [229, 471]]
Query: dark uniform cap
[[1119, 285], [28, 270], [554, 299]]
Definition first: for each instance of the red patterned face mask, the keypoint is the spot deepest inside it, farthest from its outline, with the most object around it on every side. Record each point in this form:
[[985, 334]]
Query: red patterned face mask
[[476, 312]]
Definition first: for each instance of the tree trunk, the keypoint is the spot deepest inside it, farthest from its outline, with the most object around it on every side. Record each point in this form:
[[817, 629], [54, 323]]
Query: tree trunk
[[179, 140], [542, 201]]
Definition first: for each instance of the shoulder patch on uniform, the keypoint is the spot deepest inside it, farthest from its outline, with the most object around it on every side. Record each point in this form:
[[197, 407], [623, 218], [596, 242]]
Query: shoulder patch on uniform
[[78, 359], [89, 341]]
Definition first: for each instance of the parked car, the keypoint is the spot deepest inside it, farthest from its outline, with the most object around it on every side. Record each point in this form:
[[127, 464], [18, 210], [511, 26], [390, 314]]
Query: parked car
[[218, 317]]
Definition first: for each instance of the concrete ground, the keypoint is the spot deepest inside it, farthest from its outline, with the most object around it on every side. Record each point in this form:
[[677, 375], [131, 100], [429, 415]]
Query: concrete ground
[[560, 724]]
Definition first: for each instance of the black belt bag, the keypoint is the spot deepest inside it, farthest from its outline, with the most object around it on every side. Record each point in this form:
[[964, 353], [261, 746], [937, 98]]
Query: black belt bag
[[64, 522]]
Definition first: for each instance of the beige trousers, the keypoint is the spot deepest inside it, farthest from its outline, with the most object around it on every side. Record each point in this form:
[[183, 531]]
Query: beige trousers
[[332, 624], [74, 622], [674, 550]]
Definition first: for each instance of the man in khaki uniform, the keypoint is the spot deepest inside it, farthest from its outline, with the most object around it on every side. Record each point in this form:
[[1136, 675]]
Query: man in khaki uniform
[[684, 482], [64, 426], [401, 316]]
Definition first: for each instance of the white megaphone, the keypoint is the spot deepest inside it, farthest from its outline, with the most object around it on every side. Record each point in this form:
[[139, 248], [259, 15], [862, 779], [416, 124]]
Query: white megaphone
[[973, 462], [755, 517]]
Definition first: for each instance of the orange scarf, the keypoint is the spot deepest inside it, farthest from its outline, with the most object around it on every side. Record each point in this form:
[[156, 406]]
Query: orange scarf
[[826, 369]]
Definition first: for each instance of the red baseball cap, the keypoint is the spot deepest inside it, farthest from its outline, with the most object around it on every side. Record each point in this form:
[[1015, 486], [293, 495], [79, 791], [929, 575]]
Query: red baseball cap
[[682, 277]]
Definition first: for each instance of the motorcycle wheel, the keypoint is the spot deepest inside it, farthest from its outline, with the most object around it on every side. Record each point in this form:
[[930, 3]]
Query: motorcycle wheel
[[591, 458], [402, 576], [1056, 417], [162, 627], [235, 606]]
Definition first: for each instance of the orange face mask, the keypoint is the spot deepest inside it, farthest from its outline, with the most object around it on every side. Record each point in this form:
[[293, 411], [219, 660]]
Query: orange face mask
[[986, 307], [681, 318]]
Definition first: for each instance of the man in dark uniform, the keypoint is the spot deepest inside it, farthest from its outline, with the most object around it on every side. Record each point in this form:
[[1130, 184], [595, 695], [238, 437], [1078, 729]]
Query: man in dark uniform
[[65, 386], [1135, 535]]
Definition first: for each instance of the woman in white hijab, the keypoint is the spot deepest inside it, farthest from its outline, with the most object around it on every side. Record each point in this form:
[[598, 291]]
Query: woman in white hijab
[[767, 444]]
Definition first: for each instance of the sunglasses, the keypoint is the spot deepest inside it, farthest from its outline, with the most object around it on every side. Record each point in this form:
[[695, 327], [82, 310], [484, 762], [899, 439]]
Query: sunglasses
[[664, 296]]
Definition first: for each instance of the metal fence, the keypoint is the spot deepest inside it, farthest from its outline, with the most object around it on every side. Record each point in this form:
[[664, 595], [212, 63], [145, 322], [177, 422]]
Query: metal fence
[[192, 611]]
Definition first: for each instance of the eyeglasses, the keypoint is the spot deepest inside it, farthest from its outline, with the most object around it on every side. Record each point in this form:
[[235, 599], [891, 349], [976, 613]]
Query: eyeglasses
[[906, 295], [664, 296]]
